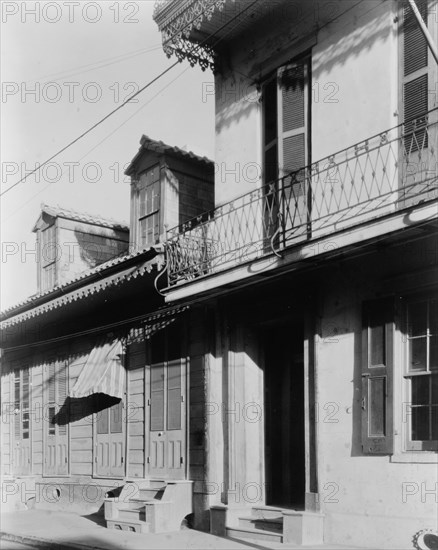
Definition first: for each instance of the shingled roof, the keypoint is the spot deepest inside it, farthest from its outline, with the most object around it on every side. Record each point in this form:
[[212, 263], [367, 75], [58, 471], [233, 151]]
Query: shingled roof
[[59, 212], [148, 144]]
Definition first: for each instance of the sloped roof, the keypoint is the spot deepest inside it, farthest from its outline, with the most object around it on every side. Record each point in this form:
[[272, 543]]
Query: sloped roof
[[60, 212], [59, 295], [148, 144]]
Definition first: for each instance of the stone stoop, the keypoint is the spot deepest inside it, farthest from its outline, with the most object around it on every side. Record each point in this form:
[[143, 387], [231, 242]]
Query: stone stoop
[[267, 523], [150, 506]]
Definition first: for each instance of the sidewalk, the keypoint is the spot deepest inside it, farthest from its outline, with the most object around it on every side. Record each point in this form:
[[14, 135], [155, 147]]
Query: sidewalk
[[61, 530]]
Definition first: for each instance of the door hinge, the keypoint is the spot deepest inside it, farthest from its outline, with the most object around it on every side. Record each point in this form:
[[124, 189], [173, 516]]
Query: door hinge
[[122, 459], [65, 460], [182, 398], [148, 459], [149, 402], [181, 459]]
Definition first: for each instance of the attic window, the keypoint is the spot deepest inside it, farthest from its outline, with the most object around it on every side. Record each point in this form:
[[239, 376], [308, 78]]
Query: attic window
[[149, 207], [48, 258]]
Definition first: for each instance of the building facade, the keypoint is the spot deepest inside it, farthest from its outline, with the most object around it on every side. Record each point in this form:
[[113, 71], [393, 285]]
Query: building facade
[[318, 266]]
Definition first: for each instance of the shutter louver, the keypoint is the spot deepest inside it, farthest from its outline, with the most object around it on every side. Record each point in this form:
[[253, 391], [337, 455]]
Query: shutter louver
[[292, 90], [377, 373], [62, 380], [294, 153], [415, 44], [51, 382]]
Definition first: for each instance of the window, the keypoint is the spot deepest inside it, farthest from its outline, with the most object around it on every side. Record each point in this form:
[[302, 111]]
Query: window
[[48, 258], [149, 208], [421, 357], [285, 147], [416, 372]]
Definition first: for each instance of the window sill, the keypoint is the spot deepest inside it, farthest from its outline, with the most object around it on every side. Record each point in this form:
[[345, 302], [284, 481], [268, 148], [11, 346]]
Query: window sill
[[415, 457]]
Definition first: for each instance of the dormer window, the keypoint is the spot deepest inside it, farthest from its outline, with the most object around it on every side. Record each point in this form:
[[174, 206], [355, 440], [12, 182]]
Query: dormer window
[[149, 207], [48, 258]]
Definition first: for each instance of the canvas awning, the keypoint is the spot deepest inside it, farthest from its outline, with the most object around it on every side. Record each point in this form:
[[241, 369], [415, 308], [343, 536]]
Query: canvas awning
[[103, 372]]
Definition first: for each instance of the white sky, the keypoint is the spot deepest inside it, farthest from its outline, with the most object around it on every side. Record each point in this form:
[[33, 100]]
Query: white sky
[[81, 71]]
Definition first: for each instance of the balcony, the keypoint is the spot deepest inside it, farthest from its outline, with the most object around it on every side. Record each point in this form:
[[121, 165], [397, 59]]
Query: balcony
[[381, 176]]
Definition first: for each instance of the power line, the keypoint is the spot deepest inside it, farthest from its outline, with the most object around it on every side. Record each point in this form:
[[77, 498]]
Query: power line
[[95, 66], [91, 128], [138, 92]]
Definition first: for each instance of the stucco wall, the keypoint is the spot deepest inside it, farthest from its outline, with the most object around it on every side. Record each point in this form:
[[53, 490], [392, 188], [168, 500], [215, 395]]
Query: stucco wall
[[367, 500], [353, 84]]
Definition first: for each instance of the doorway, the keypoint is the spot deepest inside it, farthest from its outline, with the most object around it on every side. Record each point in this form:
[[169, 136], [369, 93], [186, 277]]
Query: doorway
[[109, 437], [284, 415], [167, 406]]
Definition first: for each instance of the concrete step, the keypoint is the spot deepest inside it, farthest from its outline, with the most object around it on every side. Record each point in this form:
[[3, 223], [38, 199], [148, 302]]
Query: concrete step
[[242, 533], [274, 524], [129, 513], [150, 493], [133, 526], [266, 512]]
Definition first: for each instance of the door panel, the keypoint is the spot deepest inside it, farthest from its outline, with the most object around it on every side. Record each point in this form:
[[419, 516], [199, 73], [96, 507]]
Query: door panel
[[167, 420], [56, 450], [109, 457]]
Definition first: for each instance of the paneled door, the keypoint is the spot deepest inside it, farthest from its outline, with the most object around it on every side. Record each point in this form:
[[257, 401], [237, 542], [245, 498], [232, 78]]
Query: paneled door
[[56, 451], [167, 419], [109, 448]]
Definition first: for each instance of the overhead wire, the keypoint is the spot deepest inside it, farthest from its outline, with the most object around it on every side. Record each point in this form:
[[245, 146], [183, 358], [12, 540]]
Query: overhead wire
[[130, 98]]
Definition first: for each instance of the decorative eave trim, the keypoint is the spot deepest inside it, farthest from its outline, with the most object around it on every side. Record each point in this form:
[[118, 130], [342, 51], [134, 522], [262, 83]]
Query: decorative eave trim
[[176, 27]]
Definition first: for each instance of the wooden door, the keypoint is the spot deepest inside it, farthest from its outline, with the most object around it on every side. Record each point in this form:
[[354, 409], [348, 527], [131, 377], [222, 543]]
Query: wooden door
[[56, 437], [109, 456], [167, 420], [21, 450]]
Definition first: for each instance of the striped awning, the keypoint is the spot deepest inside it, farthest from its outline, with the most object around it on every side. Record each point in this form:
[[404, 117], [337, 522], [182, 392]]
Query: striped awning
[[103, 372]]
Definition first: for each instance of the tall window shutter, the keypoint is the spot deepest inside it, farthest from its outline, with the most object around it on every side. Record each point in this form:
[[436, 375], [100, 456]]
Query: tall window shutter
[[51, 382], [415, 81], [62, 381], [292, 147], [377, 377], [17, 404]]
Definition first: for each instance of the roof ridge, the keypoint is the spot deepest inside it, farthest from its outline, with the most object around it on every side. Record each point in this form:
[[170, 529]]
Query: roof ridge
[[85, 216]]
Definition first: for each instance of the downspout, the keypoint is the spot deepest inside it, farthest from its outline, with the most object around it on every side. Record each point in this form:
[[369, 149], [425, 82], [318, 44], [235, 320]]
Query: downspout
[[424, 30]]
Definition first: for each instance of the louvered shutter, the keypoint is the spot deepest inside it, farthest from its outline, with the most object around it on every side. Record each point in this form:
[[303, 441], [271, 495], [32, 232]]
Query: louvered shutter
[[62, 381], [17, 405], [419, 74], [415, 70], [270, 159], [293, 155], [377, 377]]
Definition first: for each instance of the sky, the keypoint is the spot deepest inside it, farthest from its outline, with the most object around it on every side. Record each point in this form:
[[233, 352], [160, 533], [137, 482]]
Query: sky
[[66, 65]]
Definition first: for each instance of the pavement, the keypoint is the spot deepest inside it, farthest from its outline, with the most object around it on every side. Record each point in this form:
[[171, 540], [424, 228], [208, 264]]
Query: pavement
[[62, 530]]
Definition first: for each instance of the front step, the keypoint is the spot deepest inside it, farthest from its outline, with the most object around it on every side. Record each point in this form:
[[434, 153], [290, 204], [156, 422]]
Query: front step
[[159, 505], [132, 514], [274, 524], [125, 525], [266, 512], [149, 493], [257, 534]]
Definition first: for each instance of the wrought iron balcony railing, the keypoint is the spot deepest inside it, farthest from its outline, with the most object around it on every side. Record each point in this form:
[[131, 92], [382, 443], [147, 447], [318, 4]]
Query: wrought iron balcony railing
[[388, 172]]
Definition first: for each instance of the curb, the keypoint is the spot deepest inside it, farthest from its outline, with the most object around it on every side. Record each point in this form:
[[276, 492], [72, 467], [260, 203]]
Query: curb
[[45, 543]]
